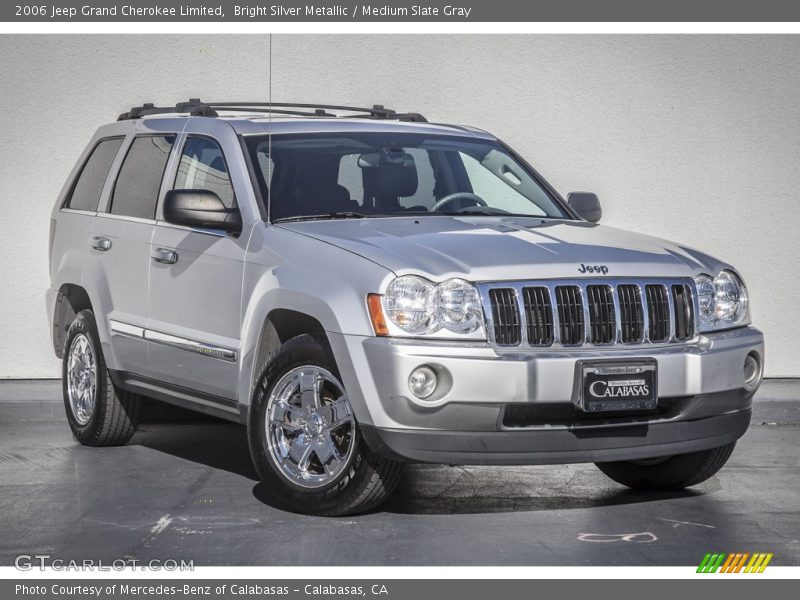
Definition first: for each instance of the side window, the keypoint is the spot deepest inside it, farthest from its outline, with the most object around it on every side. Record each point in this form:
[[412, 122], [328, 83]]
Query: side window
[[87, 189], [202, 167], [139, 179]]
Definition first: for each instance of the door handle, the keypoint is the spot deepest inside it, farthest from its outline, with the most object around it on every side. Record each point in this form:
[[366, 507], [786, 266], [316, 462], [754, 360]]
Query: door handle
[[100, 243], [164, 255]]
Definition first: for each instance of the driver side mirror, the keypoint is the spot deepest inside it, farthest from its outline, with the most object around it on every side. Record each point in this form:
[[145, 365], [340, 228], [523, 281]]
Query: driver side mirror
[[586, 205], [202, 209]]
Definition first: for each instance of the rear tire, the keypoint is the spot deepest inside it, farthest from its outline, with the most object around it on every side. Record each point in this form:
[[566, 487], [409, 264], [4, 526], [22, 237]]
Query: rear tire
[[98, 412], [670, 473], [307, 463]]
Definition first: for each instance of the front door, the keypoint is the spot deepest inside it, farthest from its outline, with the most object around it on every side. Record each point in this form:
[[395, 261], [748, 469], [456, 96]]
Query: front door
[[195, 291]]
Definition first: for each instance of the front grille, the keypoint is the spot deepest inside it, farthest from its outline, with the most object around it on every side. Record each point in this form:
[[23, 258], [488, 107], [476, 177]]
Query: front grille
[[578, 312]]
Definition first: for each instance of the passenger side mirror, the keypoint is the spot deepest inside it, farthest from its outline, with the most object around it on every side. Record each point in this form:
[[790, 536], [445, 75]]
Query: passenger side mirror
[[202, 209], [586, 205]]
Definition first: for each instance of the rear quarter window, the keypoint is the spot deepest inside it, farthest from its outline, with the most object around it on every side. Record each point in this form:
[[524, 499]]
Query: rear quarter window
[[88, 187]]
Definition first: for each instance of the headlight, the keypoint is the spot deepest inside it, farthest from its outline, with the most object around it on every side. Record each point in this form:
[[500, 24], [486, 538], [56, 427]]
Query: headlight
[[458, 306], [409, 304], [418, 307], [723, 301]]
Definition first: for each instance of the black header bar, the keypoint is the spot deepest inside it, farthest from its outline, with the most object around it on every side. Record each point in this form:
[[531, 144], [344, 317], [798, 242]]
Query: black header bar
[[458, 11]]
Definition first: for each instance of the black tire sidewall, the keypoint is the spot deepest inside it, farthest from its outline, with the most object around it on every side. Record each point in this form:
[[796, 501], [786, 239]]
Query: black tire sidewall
[[84, 323], [299, 351]]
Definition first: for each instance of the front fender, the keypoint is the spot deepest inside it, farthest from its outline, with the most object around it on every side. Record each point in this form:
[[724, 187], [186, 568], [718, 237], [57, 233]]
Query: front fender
[[287, 270]]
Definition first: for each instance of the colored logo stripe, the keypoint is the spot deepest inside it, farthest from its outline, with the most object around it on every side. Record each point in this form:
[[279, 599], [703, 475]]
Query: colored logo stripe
[[734, 563]]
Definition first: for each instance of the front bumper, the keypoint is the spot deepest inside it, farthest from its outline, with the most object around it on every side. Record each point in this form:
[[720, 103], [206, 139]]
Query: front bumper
[[586, 443], [517, 406]]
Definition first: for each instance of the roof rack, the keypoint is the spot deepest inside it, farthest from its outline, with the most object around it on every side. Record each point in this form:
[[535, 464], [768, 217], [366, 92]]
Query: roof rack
[[197, 108]]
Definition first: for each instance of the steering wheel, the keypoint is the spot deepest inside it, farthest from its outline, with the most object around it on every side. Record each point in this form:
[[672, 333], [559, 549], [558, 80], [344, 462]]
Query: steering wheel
[[450, 198]]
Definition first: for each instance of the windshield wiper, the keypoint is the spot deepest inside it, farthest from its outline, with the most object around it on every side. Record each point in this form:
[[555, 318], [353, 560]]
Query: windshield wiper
[[487, 211], [323, 217], [481, 211]]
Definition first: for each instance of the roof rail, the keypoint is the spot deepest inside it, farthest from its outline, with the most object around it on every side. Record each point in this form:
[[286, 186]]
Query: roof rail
[[197, 108]]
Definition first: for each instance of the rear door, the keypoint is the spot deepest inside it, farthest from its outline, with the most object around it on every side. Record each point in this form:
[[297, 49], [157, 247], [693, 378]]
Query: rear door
[[195, 295], [120, 247], [73, 239]]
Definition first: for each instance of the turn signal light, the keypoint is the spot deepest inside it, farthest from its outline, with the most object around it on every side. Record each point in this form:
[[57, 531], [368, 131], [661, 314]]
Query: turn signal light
[[376, 315]]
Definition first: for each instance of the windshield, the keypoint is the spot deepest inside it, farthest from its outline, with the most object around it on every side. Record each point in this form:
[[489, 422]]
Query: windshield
[[353, 175]]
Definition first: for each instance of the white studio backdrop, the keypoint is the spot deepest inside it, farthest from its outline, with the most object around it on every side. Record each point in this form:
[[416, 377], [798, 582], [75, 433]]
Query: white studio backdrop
[[694, 138]]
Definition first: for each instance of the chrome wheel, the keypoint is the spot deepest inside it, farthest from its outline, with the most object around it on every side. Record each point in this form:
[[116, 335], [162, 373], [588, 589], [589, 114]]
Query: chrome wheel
[[81, 378], [310, 427]]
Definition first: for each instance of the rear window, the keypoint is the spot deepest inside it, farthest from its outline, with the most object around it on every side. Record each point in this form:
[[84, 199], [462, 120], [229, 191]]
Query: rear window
[[89, 185], [139, 179]]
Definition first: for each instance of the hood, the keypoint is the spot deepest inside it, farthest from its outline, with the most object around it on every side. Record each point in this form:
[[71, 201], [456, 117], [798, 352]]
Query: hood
[[505, 249]]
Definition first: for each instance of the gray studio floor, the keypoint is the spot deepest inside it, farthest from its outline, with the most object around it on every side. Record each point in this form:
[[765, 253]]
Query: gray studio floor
[[187, 490]]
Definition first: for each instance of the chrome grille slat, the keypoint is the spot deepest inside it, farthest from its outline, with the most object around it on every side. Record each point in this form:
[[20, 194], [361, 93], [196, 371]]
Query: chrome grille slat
[[602, 312]]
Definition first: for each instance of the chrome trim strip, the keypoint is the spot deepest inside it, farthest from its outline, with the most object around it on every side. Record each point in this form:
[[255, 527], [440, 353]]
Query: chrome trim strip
[[645, 314], [78, 211], [126, 329], [671, 303], [190, 345], [551, 284], [129, 219], [523, 324], [617, 314], [211, 232]]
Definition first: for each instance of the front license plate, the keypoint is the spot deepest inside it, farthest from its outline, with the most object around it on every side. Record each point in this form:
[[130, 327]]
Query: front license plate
[[617, 385]]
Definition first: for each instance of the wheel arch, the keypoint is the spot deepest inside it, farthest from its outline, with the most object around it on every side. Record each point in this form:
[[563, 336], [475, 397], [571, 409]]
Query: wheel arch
[[279, 326], [70, 300], [275, 315]]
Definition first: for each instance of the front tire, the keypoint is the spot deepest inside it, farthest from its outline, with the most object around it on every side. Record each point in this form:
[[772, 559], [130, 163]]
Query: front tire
[[669, 473], [304, 438], [98, 413]]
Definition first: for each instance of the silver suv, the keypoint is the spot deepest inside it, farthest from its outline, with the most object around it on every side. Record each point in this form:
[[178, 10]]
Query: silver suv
[[362, 288]]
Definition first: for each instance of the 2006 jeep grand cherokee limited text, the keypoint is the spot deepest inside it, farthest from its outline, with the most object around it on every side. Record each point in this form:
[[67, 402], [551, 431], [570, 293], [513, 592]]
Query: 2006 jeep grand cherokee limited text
[[362, 288]]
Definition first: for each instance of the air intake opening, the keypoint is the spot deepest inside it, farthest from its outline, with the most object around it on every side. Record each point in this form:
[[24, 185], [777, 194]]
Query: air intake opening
[[658, 313], [505, 313], [684, 314], [602, 320], [570, 314]]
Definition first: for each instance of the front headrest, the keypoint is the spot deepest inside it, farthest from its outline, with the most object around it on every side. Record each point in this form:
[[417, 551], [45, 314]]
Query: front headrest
[[389, 173], [321, 196]]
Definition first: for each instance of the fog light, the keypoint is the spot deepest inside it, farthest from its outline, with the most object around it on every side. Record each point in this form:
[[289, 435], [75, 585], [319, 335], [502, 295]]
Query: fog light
[[752, 371], [422, 382]]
